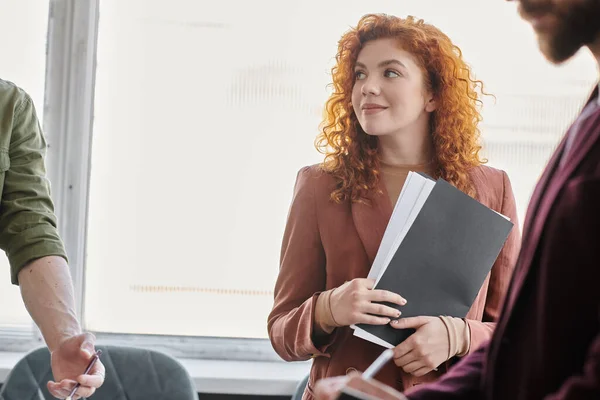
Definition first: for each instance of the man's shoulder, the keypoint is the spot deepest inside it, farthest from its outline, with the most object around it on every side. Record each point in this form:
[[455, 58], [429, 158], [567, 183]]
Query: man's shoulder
[[16, 112], [11, 94]]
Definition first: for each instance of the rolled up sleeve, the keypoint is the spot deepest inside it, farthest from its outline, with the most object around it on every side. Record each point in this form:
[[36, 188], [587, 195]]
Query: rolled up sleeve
[[28, 227]]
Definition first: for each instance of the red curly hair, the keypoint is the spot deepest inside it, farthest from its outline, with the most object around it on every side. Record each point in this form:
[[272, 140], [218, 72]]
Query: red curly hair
[[351, 155]]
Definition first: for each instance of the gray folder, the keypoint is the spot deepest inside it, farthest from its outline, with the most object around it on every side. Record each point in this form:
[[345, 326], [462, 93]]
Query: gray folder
[[444, 258]]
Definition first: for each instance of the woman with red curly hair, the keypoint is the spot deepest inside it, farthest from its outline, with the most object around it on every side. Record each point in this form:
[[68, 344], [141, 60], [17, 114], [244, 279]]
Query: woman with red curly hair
[[403, 100]]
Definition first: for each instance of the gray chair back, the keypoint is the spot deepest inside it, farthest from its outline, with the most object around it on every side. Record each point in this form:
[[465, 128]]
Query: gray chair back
[[131, 374], [300, 389]]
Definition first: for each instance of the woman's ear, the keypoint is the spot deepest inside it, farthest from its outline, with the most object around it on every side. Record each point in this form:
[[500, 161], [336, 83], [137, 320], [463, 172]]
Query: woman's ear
[[431, 105]]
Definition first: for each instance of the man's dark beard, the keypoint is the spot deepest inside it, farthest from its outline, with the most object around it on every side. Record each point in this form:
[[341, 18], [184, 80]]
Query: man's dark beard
[[578, 25]]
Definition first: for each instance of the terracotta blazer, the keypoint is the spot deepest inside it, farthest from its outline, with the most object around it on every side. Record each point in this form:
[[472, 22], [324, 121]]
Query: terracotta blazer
[[326, 244]]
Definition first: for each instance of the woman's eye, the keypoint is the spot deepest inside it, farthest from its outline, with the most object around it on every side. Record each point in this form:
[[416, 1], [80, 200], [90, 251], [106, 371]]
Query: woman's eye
[[391, 74], [359, 75]]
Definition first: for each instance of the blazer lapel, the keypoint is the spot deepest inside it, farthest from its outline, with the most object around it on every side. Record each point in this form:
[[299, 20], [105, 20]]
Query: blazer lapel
[[534, 220], [544, 196], [371, 220], [541, 187]]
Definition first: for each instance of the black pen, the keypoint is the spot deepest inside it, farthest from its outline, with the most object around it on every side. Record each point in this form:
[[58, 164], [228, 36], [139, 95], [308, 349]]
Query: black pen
[[87, 370]]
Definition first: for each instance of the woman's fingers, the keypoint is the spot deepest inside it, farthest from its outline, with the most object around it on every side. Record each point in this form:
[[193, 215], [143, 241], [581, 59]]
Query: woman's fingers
[[373, 320], [355, 302], [387, 296], [381, 310]]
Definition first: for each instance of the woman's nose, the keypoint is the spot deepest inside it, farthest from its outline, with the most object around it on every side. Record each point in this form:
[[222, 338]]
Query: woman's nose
[[370, 87]]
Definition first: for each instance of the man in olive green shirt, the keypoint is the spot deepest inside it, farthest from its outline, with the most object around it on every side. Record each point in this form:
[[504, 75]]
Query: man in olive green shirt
[[29, 236]]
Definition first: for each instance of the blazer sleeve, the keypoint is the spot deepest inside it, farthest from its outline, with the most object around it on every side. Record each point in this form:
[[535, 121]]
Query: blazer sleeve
[[301, 278], [500, 274]]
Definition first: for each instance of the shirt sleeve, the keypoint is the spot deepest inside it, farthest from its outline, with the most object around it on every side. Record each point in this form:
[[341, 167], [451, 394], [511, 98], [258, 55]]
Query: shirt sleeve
[[28, 227]]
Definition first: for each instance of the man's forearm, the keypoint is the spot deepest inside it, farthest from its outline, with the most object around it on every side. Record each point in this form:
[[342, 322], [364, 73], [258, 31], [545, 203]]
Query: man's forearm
[[47, 292]]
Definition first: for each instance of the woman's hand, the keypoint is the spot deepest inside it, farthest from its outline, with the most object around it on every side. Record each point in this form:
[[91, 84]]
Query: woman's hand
[[425, 349], [353, 303]]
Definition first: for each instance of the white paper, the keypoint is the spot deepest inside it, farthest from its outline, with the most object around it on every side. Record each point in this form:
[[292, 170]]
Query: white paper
[[408, 195], [371, 338], [413, 207], [414, 193]]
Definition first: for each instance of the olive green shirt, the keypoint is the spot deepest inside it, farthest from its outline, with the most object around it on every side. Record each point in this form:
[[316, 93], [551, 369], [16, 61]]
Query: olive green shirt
[[27, 222]]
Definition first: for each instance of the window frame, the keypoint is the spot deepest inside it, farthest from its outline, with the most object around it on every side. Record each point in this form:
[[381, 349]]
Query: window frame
[[68, 128]]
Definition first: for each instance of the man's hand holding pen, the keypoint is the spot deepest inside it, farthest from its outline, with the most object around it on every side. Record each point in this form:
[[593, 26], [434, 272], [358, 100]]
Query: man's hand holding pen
[[69, 364]]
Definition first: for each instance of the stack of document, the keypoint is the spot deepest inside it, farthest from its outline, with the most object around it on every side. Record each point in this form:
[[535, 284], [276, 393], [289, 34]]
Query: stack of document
[[438, 248]]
